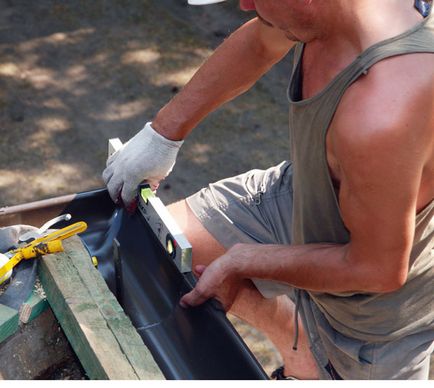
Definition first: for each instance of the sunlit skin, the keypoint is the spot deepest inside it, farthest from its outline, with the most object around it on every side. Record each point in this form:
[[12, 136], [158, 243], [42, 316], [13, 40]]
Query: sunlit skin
[[247, 5], [387, 113]]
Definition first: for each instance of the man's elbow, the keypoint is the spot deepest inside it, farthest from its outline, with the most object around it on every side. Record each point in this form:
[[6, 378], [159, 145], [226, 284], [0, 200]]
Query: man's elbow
[[383, 275], [385, 281], [393, 282]]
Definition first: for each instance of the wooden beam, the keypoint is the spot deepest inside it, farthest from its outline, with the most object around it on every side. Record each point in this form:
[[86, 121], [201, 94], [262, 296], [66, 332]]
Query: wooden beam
[[8, 322], [10, 319], [100, 333]]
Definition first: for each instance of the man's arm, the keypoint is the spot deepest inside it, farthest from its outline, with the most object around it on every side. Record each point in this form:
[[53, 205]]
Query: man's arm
[[382, 141], [230, 71]]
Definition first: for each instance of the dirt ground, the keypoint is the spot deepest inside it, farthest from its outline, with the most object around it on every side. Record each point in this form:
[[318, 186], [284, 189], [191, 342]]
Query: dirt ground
[[75, 73]]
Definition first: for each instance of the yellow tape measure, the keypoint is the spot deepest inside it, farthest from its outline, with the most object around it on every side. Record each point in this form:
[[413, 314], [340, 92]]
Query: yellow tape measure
[[51, 243], [61, 234]]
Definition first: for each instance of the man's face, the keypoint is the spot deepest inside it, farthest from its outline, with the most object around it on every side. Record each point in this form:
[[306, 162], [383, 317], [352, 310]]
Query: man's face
[[291, 16]]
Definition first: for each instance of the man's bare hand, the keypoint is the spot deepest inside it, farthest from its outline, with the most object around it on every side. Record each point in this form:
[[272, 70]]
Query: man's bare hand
[[215, 281]]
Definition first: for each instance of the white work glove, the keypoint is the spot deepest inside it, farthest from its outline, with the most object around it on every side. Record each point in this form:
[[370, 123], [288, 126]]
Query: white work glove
[[148, 156], [8, 237]]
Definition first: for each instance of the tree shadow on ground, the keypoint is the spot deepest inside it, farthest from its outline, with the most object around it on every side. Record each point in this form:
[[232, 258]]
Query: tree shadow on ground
[[73, 74]]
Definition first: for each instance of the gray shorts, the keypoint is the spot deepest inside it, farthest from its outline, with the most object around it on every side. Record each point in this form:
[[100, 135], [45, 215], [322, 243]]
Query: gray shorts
[[256, 207]]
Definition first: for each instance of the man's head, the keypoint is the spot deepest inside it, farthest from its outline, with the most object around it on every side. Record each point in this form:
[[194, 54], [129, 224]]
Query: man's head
[[299, 19]]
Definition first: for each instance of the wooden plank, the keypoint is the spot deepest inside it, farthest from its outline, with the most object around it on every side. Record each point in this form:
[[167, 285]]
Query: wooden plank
[[100, 333], [130, 341], [10, 318], [8, 322]]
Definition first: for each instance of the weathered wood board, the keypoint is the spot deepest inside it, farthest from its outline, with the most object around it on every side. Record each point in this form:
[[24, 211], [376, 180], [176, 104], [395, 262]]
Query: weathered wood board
[[10, 318], [96, 326]]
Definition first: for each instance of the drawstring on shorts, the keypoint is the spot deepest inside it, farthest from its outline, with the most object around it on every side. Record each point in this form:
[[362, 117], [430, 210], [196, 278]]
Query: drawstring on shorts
[[296, 314]]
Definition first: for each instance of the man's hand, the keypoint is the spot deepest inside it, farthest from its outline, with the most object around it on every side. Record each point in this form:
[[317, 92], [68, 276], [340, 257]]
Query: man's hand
[[215, 281], [148, 156]]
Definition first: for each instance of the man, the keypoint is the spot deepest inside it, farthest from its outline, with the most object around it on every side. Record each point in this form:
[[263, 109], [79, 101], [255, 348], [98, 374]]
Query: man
[[330, 255]]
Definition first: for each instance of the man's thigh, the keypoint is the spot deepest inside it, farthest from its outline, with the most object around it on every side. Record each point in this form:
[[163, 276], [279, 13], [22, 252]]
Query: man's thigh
[[205, 247], [254, 207]]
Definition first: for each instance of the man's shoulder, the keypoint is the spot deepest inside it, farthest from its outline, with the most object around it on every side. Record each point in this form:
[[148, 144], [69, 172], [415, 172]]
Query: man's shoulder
[[394, 98]]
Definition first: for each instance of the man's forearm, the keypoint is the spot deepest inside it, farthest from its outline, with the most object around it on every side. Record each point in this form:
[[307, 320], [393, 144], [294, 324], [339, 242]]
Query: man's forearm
[[232, 69], [315, 267]]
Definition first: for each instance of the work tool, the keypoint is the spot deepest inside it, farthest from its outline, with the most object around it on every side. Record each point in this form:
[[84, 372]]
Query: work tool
[[34, 234], [29, 252], [163, 225], [50, 243], [165, 228], [61, 234]]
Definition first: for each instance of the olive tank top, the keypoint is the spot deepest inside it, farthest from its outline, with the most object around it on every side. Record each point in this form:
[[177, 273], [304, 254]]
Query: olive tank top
[[316, 214]]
